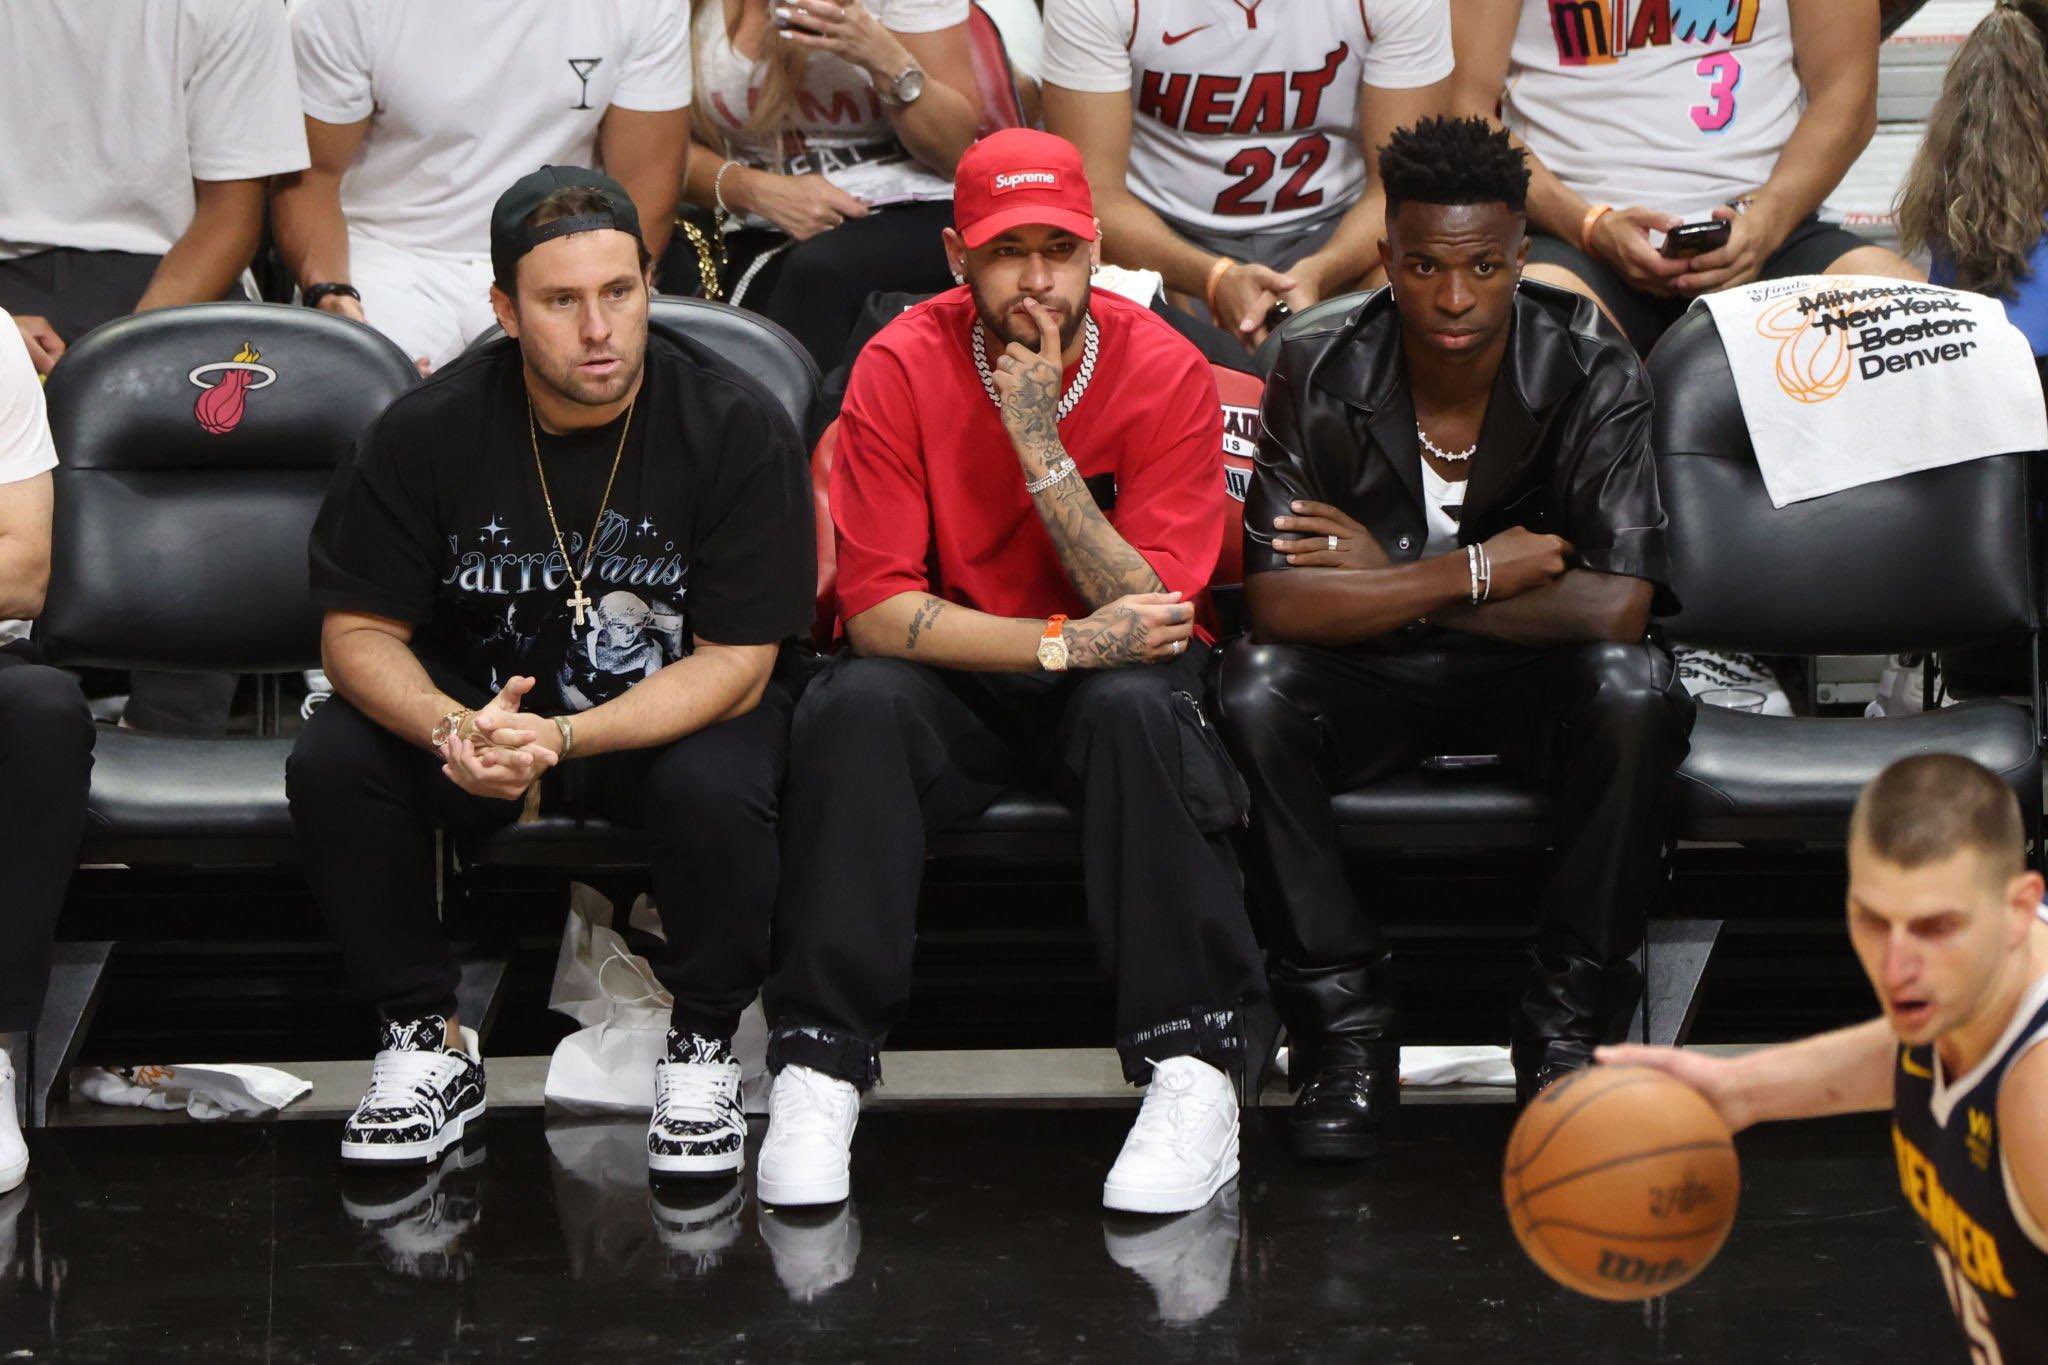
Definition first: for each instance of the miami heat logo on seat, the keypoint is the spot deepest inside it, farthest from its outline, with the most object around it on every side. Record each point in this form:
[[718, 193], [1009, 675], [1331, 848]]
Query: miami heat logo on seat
[[227, 385]]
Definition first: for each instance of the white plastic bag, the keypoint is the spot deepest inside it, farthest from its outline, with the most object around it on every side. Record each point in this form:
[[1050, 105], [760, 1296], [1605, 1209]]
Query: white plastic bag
[[607, 1066], [209, 1091]]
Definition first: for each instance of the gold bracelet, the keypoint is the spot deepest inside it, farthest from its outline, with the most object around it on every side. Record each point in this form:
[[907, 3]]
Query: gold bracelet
[[568, 735]]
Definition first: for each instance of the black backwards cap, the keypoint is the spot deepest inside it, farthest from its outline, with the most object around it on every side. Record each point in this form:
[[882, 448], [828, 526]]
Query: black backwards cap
[[511, 238]]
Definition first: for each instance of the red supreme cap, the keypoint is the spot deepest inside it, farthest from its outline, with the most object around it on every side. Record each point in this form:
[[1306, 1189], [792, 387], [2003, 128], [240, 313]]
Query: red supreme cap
[[1021, 176]]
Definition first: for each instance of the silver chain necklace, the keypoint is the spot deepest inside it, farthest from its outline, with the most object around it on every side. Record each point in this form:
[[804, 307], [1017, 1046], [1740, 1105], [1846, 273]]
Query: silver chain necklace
[[1090, 343], [1454, 456]]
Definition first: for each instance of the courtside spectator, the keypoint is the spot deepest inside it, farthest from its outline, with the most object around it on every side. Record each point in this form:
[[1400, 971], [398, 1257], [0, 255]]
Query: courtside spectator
[[1234, 156], [1977, 196], [46, 739], [575, 546], [135, 138], [1452, 543], [1643, 117], [833, 131], [1026, 503], [417, 114]]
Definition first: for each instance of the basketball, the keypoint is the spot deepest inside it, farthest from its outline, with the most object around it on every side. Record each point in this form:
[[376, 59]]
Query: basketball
[[1621, 1182]]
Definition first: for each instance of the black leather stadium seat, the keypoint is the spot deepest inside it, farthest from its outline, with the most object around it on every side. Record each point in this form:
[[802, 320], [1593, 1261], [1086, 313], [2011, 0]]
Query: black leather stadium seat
[[195, 446], [1942, 559]]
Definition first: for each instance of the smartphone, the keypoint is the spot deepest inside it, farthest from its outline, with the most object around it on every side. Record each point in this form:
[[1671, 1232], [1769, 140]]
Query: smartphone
[[1451, 763], [1690, 239], [791, 24]]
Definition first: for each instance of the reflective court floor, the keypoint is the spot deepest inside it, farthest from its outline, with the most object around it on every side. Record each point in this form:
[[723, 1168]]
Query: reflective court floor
[[974, 1234]]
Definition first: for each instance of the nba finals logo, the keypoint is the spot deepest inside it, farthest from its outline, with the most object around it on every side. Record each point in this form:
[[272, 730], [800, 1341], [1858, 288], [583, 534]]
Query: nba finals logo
[[1813, 359], [226, 385]]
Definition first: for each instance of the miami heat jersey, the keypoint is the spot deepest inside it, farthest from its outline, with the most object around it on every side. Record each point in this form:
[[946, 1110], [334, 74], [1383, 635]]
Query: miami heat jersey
[[1679, 105], [1992, 1254], [1244, 113]]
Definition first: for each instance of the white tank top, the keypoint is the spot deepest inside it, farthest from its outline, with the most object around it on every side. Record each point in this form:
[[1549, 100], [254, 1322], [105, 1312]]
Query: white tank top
[[1679, 105], [1244, 113]]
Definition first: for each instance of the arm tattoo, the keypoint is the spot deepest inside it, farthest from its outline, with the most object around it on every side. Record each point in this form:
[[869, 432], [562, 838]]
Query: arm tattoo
[[923, 617], [1100, 564]]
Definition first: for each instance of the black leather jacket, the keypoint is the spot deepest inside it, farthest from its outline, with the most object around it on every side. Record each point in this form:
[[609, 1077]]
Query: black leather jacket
[[1564, 449]]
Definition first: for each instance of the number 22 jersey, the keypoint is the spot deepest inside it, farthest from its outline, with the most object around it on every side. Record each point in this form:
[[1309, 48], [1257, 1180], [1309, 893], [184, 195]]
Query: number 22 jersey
[[1244, 113], [1679, 105], [1992, 1254]]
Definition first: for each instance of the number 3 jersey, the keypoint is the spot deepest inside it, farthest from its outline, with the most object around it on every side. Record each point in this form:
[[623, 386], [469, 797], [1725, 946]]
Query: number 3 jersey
[[1993, 1255], [1244, 113], [1679, 105]]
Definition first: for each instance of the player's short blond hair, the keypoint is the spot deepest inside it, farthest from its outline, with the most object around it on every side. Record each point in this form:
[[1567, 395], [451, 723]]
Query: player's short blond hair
[[1930, 807]]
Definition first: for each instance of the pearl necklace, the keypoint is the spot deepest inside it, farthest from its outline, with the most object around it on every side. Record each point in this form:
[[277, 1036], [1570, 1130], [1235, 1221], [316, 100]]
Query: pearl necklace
[[1454, 456], [1091, 342]]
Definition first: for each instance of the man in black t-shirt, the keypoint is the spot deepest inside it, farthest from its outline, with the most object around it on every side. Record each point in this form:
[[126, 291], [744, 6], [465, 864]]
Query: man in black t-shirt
[[578, 548]]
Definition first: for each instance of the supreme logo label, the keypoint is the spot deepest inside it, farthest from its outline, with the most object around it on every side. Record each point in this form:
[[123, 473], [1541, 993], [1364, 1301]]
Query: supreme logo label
[[1006, 181]]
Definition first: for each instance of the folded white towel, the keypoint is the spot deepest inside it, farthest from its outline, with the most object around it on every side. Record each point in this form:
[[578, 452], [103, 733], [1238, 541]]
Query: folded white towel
[[1848, 379]]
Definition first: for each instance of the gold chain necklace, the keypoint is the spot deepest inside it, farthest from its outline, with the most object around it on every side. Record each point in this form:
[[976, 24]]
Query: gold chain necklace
[[578, 601]]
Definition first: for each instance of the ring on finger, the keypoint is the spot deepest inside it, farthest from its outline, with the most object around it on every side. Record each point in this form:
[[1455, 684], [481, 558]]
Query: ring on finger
[[1333, 544], [1179, 645]]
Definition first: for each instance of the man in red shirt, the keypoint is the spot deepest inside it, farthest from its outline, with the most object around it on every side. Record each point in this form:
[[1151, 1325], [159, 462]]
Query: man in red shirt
[[1026, 503]]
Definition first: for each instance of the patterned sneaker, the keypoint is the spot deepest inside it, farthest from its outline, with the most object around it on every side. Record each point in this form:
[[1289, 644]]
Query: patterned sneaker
[[422, 1095], [698, 1127], [1742, 682]]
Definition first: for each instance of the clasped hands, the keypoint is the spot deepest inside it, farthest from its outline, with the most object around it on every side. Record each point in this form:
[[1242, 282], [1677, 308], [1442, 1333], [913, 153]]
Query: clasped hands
[[498, 752]]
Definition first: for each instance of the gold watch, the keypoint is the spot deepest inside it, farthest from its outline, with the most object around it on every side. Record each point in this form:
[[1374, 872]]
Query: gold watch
[[448, 727], [1052, 646]]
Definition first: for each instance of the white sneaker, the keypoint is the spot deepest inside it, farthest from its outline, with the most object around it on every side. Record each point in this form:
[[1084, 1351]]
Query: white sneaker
[[13, 1151], [806, 1155], [698, 1127], [422, 1095], [1183, 1148]]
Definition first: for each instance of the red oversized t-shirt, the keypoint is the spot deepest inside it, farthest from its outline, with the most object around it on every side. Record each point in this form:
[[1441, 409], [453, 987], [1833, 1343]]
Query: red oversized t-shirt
[[928, 494]]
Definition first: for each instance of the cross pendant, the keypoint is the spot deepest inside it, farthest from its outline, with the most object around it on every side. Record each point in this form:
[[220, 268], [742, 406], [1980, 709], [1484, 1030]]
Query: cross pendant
[[579, 602]]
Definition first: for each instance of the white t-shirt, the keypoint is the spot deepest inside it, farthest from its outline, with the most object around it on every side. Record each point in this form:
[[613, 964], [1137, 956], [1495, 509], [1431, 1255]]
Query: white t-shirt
[[837, 127], [26, 449], [1443, 503], [1681, 117], [109, 110], [1245, 116], [466, 96]]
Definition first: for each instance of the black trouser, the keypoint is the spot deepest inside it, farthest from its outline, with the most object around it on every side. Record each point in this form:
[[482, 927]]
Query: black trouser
[[76, 291], [1608, 723], [885, 752], [365, 805], [46, 739], [816, 288]]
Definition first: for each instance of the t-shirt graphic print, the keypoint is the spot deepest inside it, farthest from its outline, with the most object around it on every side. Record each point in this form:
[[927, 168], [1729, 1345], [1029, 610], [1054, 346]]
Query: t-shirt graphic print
[[440, 521]]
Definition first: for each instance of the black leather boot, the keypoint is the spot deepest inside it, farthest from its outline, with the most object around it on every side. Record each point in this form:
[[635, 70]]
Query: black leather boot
[[1345, 1056], [1573, 1005]]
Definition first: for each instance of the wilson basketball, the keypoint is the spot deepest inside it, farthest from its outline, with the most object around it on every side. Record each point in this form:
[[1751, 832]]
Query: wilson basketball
[[1621, 1182]]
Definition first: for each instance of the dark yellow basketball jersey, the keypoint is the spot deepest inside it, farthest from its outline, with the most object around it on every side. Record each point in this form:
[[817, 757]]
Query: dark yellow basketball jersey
[[1992, 1254]]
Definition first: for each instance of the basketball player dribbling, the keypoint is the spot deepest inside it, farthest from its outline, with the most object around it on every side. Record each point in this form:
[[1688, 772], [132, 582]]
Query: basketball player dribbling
[[1949, 925]]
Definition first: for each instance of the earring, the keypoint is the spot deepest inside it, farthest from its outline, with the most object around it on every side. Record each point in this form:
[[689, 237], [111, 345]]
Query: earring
[[959, 278]]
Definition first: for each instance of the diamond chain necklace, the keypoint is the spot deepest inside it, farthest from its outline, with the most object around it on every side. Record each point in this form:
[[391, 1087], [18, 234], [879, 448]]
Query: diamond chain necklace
[[1090, 344]]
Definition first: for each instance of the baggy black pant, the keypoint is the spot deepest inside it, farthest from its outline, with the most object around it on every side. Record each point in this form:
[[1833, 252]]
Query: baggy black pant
[[885, 752], [46, 738], [365, 805], [1608, 724]]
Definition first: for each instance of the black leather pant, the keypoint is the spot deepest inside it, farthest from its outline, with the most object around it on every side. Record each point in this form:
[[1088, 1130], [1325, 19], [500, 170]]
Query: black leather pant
[[1607, 723], [46, 738], [885, 752]]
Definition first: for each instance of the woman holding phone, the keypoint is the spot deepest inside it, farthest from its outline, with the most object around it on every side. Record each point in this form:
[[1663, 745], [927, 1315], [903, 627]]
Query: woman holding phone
[[835, 129]]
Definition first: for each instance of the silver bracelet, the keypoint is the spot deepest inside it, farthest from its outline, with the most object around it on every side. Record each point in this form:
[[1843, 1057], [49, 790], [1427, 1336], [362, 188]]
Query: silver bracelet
[[1485, 574], [568, 735], [1472, 563], [1060, 470], [718, 187]]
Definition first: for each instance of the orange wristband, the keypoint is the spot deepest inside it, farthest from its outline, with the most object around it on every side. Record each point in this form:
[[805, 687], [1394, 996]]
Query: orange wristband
[[1593, 217], [1223, 263]]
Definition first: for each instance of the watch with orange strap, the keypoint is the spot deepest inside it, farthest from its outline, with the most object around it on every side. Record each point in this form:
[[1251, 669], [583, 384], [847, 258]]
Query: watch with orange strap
[[1052, 646]]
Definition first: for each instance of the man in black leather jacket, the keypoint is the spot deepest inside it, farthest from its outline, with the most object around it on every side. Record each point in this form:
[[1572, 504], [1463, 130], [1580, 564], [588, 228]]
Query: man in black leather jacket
[[1402, 610]]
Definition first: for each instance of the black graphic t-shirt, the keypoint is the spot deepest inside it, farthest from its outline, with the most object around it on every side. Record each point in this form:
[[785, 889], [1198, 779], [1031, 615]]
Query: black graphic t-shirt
[[438, 521]]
